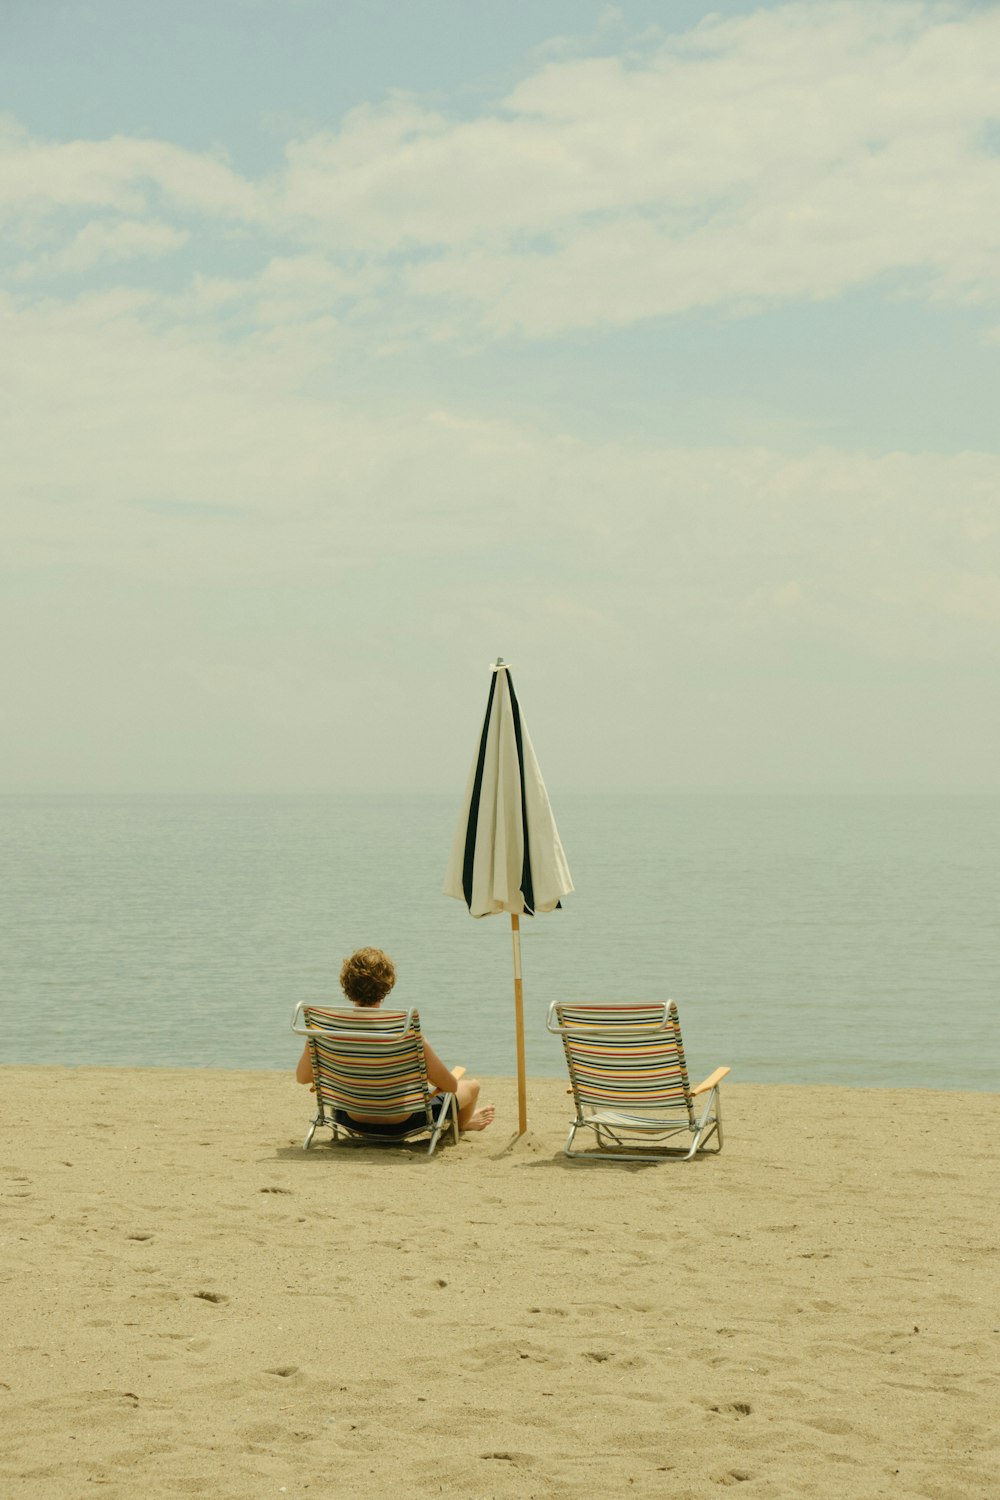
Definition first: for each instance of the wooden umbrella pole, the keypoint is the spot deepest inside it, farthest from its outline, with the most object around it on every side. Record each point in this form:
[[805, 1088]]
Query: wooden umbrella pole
[[522, 1096]]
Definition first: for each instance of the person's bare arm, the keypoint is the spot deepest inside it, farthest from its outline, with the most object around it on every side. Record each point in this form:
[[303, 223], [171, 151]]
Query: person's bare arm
[[304, 1071], [438, 1076]]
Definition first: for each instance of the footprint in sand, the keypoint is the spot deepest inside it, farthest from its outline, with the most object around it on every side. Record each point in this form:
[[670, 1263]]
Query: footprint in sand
[[835, 1426]]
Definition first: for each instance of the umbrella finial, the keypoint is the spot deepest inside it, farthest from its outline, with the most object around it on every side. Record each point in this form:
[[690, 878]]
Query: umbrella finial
[[500, 665]]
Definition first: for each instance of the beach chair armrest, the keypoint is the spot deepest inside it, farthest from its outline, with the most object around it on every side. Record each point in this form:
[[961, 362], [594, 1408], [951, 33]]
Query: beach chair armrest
[[711, 1082], [458, 1072]]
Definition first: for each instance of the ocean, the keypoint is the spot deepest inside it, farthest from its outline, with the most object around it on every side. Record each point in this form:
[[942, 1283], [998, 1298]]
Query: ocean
[[806, 939]]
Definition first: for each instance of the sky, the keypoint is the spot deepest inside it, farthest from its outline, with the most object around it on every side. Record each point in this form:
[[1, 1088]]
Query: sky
[[346, 345]]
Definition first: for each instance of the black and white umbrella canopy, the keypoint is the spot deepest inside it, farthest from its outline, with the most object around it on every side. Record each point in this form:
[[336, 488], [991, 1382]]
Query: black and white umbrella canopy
[[507, 854]]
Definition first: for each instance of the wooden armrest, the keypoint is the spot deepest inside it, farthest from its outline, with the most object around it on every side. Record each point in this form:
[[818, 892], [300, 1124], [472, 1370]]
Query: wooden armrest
[[455, 1073], [711, 1081]]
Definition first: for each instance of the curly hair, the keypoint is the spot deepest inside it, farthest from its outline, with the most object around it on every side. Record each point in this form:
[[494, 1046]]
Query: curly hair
[[367, 976]]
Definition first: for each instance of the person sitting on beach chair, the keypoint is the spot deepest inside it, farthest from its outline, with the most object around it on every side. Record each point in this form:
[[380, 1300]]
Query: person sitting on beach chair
[[366, 978]]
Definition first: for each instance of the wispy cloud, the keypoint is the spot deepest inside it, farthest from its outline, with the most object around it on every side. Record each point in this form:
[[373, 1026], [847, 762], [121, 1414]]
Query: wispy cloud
[[100, 242], [122, 173], [789, 154], [264, 473], [164, 440]]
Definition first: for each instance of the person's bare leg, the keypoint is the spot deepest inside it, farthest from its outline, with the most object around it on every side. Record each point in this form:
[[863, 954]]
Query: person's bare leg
[[469, 1117]]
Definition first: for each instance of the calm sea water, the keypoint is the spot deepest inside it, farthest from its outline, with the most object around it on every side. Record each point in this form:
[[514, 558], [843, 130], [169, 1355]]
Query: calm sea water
[[851, 940]]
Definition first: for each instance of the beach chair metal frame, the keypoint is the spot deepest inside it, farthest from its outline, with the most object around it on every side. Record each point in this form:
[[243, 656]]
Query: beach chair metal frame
[[371, 1061], [630, 1084]]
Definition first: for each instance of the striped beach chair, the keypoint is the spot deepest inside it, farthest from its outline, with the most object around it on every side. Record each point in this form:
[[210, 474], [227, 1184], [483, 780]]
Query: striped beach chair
[[371, 1062], [630, 1082]]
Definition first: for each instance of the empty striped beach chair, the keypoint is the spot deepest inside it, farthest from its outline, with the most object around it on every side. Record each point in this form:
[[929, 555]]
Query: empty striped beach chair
[[630, 1082], [371, 1062]]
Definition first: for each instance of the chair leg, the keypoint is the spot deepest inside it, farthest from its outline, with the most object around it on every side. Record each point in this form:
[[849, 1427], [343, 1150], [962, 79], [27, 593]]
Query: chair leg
[[321, 1119], [449, 1108], [714, 1124]]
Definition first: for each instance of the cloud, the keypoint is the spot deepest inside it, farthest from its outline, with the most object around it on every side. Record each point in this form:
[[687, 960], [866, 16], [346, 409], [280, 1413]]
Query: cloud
[[789, 154], [39, 178], [102, 241], [250, 484], [187, 459], [288, 289]]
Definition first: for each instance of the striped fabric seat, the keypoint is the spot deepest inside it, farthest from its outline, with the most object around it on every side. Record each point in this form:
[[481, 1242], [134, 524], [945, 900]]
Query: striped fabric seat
[[629, 1076], [370, 1062]]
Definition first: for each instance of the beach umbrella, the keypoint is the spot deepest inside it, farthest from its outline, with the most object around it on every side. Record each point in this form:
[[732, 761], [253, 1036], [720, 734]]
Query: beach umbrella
[[507, 856]]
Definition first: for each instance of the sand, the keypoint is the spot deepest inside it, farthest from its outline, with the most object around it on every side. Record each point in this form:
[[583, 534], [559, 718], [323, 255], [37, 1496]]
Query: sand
[[192, 1305]]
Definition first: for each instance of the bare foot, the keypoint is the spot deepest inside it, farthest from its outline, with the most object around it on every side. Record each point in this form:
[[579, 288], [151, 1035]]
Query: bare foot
[[481, 1118]]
